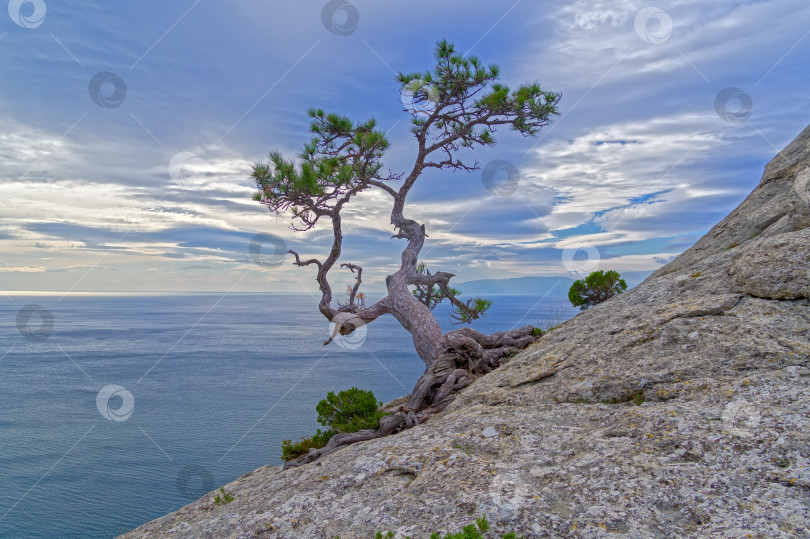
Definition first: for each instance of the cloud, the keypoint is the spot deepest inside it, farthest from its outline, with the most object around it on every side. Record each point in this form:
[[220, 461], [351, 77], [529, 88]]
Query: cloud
[[597, 39], [638, 164], [661, 184]]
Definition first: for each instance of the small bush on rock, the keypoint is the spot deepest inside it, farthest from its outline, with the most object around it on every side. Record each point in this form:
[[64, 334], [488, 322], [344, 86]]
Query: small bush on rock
[[347, 411], [290, 450], [596, 288], [471, 531], [350, 411], [225, 499]]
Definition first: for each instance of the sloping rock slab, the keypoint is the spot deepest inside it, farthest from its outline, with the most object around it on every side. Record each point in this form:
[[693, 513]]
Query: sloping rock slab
[[678, 409]]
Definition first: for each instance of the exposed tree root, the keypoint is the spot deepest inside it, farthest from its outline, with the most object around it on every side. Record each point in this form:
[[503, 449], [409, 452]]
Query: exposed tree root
[[466, 353]]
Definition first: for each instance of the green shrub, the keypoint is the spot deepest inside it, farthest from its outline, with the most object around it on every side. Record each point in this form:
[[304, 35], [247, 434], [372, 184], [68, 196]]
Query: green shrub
[[290, 450], [467, 532], [350, 411], [596, 288], [227, 497], [470, 531], [347, 411]]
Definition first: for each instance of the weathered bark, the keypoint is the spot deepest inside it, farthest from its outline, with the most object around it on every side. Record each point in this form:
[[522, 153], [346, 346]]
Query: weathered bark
[[463, 354], [468, 351], [463, 117], [451, 359], [388, 425]]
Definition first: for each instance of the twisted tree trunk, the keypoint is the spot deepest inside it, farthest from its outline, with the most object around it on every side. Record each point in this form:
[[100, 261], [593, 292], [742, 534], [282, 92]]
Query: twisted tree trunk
[[347, 160], [460, 356], [452, 359]]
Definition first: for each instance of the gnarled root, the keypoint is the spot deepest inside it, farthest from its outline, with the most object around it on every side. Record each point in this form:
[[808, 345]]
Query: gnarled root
[[466, 353], [388, 425]]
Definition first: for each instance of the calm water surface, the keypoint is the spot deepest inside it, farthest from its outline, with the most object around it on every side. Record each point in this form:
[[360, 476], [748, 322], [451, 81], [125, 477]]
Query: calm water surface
[[204, 389]]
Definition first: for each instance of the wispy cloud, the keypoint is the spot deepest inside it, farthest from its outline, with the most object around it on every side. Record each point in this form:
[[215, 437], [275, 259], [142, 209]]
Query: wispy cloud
[[152, 195]]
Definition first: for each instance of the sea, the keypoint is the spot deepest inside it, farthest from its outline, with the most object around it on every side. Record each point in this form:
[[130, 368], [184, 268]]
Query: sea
[[115, 410]]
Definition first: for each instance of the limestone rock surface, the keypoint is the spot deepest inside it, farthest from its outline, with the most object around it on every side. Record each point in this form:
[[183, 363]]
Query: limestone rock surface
[[678, 409]]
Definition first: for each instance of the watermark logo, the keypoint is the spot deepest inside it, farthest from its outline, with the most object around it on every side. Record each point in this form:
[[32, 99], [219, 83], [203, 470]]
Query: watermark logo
[[577, 264], [353, 340], [106, 402], [194, 481], [340, 17], [508, 490], [653, 25], [419, 97], [186, 167], [107, 90], [267, 250], [35, 322], [27, 13], [730, 114], [500, 177], [740, 418]]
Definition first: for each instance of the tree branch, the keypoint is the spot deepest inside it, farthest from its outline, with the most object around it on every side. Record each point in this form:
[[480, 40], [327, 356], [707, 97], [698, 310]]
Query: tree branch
[[306, 262], [358, 280]]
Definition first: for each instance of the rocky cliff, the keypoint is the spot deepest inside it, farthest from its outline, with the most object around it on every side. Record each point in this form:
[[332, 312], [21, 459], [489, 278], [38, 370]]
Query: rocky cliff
[[680, 408]]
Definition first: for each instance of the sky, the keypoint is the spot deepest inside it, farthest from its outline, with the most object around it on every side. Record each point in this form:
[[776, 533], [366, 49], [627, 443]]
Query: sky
[[128, 132]]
